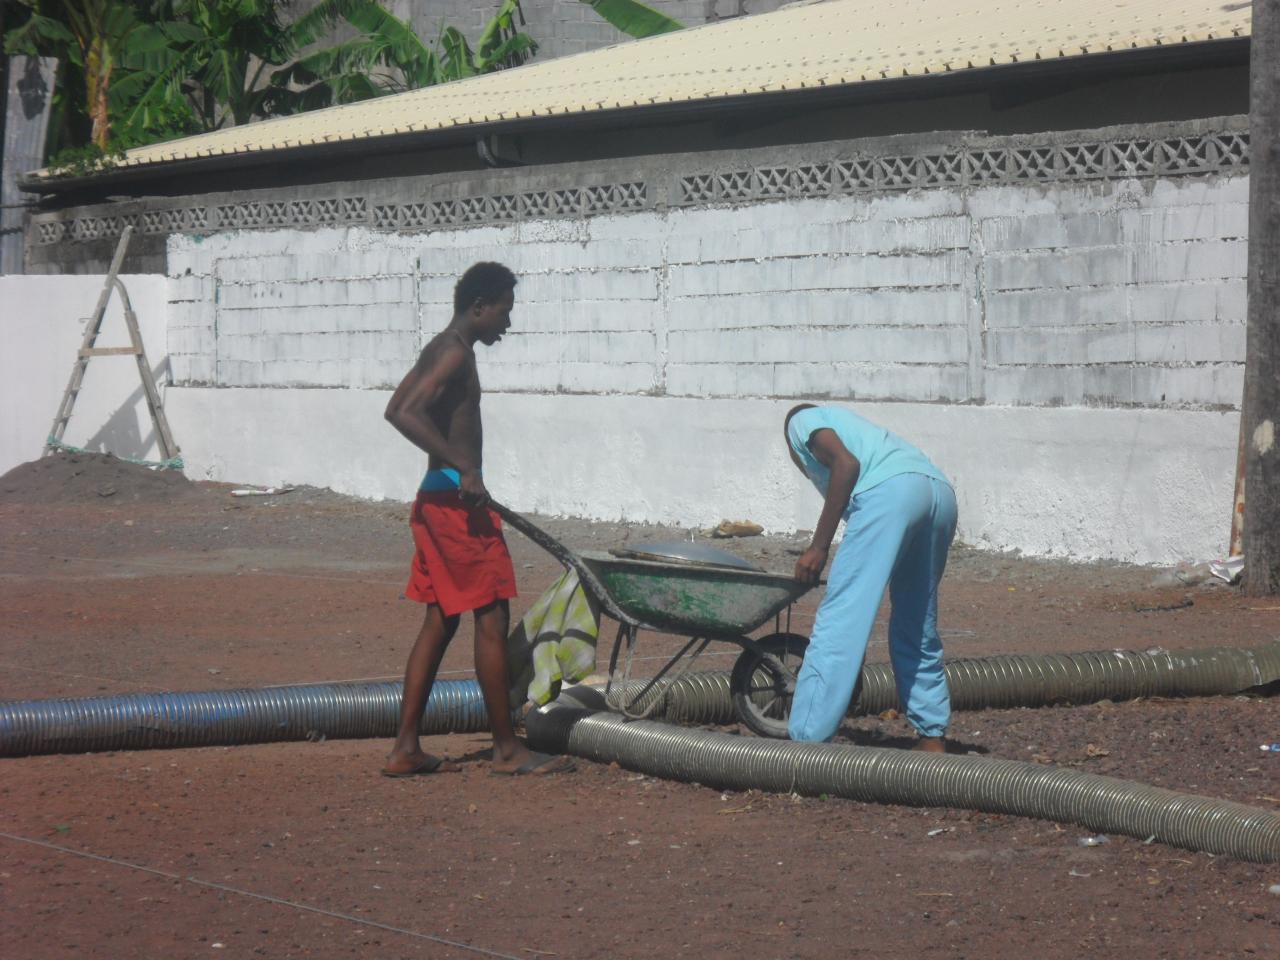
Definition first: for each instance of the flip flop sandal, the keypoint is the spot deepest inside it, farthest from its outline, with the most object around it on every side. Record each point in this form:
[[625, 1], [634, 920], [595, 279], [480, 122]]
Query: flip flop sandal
[[535, 765], [429, 766]]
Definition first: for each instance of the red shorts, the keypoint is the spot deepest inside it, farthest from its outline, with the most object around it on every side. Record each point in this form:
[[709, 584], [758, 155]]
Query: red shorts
[[460, 560]]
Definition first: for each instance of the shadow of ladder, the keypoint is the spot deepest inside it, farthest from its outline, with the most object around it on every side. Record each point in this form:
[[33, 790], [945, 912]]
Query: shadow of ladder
[[168, 449]]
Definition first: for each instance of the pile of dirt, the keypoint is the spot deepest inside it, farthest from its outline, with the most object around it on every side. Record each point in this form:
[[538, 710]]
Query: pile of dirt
[[91, 478]]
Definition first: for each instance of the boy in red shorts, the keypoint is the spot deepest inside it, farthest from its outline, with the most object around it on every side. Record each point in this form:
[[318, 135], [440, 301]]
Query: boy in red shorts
[[461, 561]]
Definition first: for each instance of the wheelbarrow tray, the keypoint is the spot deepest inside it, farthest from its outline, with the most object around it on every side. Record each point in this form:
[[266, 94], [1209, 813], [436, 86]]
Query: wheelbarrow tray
[[693, 600]]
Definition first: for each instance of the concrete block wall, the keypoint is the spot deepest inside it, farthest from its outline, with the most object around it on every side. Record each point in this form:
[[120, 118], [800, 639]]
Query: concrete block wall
[[1126, 297], [1070, 354], [1123, 293]]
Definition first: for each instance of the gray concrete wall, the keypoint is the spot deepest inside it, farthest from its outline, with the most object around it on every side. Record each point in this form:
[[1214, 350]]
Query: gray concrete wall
[[29, 96], [1136, 484], [81, 239], [1114, 294], [1057, 319], [562, 27], [1089, 267]]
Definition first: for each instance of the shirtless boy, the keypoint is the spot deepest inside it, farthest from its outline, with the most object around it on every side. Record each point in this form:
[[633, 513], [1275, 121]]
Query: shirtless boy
[[460, 560]]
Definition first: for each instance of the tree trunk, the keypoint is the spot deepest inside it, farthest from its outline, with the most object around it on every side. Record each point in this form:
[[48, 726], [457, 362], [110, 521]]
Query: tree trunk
[[1261, 410], [97, 78]]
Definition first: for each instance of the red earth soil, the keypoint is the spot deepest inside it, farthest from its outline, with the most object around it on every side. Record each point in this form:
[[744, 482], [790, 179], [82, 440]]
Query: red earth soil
[[115, 579]]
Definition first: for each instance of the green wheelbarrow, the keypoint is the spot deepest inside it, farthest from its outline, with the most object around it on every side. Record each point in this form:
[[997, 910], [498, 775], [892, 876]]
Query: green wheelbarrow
[[704, 601]]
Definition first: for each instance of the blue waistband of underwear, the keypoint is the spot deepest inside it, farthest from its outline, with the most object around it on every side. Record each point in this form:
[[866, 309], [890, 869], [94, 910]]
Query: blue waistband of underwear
[[445, 478]]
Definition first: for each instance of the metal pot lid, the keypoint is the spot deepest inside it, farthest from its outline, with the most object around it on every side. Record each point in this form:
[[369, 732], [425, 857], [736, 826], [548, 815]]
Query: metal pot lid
[[682, 551]]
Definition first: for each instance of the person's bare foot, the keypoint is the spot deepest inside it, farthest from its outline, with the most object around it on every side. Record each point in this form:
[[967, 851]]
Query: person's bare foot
[[416, 765], [931, 745], [521, 761]]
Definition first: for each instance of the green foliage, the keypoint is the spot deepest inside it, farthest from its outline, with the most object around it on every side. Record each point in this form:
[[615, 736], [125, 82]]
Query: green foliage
[[389, 57], [39, 33], [134, 72], [211, 69], [88, 37], [84, 161], [634, 18]]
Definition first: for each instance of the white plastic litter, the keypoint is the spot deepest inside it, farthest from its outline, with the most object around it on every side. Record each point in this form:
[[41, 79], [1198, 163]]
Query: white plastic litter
[[1229, 569], [267, 492]]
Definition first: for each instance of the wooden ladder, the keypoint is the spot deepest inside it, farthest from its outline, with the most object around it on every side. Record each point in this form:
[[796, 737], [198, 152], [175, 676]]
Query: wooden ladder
[[168, 449]]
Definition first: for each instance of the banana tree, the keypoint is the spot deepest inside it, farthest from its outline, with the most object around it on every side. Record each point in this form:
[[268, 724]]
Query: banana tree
[[215, 65], [147, 70], [349, 71], [389, 56], [91, 37], [634, 18]]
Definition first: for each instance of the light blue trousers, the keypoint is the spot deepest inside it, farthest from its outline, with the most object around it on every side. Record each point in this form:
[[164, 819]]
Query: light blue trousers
[[896, 534]]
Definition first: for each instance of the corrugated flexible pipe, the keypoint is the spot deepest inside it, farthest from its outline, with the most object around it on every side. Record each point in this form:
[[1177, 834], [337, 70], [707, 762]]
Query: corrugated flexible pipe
[[140, 721], [860, 773], [1010, 681], [576, 725], [371, 709]]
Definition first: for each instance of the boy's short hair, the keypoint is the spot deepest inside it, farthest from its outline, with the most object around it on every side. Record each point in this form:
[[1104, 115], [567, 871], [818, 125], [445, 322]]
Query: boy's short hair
[[792, 412], [485, 281]]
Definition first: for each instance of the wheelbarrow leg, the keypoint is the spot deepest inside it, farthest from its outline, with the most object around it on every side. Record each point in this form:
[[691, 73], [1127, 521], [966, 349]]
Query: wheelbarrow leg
[[627, 710], [628, 633]]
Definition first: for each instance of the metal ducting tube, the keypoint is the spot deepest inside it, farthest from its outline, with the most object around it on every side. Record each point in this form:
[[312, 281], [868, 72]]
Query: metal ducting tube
[[363, 709], [878, 775], [1008, 681], [869, 774], [140, 721], [1017, 681]]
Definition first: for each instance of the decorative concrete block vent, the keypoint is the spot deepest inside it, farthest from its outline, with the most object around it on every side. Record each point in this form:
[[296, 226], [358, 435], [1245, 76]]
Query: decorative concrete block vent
[[963, 167]]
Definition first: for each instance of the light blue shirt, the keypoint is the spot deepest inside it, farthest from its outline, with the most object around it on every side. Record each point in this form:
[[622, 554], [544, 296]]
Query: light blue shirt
[[882, 454]]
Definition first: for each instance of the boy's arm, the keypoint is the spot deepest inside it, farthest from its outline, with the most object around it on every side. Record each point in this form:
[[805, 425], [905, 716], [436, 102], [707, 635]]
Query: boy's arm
[[418, 392], [844, 467]]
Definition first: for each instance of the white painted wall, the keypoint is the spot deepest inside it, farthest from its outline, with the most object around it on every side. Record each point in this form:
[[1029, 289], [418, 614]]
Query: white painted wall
[[1147, 486], [1117, 293], [42, 323], [1070, 354]]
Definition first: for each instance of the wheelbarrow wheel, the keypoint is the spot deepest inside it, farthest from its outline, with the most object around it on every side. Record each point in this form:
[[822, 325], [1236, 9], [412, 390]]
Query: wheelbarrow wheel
[[762, 694]]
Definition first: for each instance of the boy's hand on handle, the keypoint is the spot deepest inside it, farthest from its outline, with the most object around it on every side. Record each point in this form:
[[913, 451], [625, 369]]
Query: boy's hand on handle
[[472, 489], [811, 564]]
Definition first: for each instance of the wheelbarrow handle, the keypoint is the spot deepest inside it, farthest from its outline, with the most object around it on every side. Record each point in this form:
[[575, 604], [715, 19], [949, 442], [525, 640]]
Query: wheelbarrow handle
[[586, 576]]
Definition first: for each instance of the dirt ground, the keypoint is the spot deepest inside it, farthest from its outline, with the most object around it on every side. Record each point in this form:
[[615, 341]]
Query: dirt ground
[[114, 579]]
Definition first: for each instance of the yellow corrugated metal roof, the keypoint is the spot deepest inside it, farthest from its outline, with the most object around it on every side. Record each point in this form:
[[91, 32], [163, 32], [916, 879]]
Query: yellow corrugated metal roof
[[802, 47]]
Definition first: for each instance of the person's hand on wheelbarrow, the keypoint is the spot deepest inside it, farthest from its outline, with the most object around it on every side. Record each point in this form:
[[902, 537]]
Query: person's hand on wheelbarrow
[[471, 488], [811, 564]]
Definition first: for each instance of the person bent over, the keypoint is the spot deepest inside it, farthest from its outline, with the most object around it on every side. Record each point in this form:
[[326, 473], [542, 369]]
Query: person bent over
[[900, 518], [460, 559]]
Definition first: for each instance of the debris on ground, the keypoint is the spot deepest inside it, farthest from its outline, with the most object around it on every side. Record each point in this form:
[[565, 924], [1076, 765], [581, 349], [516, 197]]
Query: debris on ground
[[1186, 601], [1204, 571], [737, 528], [90, 478], [263, 492], [1230, 569], [1184, 575]]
